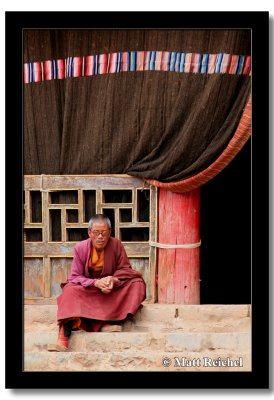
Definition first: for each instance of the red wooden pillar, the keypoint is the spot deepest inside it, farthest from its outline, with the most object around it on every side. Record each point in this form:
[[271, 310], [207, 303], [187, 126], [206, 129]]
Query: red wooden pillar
[[179, 268]]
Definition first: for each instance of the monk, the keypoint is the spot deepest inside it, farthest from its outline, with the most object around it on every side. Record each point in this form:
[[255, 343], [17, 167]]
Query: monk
[[102, 290]]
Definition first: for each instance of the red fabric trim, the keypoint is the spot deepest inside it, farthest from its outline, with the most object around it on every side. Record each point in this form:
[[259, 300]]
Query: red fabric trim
[[242, 134]]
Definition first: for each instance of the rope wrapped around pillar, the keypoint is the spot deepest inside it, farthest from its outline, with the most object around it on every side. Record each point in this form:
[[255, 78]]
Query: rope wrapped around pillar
[[178, 247]]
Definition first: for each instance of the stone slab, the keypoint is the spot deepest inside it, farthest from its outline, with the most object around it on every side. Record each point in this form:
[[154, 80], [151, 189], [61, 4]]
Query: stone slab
[[140, 341], [192, 318], [141, 361]]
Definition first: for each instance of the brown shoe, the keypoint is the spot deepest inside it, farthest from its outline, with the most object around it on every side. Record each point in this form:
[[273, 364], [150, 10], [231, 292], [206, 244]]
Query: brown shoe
[[62, 342], [56, 347], [111, 328]]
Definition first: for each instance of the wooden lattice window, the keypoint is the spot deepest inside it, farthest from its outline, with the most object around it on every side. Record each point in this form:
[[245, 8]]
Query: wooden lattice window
[[56, 214]]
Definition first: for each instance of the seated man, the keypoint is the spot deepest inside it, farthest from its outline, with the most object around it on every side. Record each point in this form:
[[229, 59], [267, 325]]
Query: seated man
[[102, 288]]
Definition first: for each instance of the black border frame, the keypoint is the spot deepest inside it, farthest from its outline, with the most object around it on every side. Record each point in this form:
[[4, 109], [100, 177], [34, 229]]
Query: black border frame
[[259, 23]]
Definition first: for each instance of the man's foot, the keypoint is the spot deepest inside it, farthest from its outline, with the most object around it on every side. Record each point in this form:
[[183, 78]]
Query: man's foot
[[111, 328], [56, 347], [62, 341]]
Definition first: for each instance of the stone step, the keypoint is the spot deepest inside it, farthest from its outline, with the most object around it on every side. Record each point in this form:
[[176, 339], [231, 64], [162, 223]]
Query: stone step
[[140, 341], [160, 317], [133, 361], [179, 325]]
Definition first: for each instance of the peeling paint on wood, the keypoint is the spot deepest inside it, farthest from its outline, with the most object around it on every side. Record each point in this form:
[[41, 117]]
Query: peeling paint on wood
[[179, 269]]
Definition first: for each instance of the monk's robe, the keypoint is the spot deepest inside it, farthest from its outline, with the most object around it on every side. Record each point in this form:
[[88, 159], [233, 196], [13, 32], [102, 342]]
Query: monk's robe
[[81, 300]]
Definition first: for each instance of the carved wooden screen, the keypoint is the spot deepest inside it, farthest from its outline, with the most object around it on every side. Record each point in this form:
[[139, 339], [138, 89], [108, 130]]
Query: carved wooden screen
[[56, 214]]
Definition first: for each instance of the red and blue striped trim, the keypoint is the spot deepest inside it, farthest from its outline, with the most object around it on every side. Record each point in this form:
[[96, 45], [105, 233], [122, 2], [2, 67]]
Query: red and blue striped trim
[[132, 61]]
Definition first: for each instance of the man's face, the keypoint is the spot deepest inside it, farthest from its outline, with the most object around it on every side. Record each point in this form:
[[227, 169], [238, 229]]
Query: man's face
[[99, 235]]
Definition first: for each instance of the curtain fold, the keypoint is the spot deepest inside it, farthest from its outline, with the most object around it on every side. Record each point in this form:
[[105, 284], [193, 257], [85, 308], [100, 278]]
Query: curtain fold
[[237, 142]]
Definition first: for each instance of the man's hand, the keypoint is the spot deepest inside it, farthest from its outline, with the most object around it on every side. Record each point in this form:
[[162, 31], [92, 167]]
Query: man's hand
[[106, 284]]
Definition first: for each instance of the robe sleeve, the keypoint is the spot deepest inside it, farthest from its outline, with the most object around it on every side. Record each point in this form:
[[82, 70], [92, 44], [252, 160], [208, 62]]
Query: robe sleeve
[[123, 269], [77, 271]]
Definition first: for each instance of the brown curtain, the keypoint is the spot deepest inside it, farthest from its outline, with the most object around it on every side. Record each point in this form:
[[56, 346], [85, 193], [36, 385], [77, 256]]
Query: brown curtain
[[160, 125]]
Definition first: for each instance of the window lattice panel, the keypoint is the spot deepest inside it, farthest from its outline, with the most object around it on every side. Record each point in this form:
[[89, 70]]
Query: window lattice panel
[[56, 214]]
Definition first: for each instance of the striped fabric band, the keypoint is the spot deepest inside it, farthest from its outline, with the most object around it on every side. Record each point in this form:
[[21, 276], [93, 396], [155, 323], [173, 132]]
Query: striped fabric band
[[137, 61], [240, 137]]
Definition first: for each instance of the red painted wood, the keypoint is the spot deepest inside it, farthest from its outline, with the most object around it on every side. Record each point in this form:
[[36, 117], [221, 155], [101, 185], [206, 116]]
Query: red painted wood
[[179, 269]]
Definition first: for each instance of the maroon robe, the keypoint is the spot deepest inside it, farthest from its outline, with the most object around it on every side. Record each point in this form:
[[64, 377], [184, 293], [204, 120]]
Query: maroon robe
[[80, 298]]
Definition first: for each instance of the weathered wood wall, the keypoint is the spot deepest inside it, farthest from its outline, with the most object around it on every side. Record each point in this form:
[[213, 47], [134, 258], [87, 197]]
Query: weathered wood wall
[[56, 214]]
